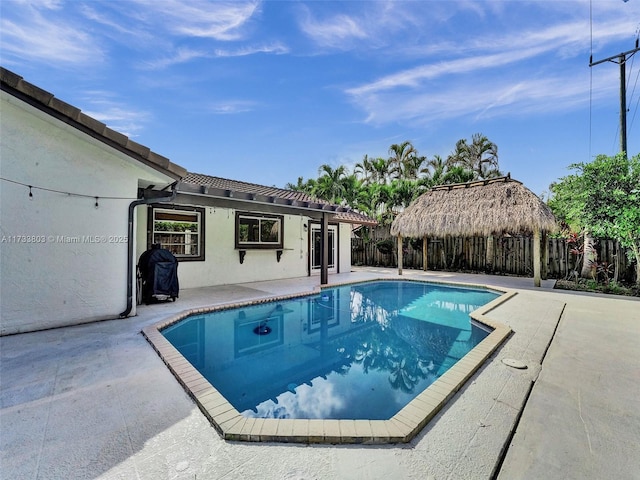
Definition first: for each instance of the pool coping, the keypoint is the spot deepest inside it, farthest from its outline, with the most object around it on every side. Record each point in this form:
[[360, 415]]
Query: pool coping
[[401, 428]]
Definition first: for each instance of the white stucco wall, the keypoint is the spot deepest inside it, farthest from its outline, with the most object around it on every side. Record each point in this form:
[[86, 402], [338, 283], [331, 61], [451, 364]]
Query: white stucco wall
[[62, 260], [222, 265], [344, 256]]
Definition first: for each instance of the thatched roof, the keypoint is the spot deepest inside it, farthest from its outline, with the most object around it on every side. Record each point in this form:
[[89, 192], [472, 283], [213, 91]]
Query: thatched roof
[[481, 208]]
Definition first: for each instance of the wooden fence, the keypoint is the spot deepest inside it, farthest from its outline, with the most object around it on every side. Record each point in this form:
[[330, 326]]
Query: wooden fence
[[511, 255]]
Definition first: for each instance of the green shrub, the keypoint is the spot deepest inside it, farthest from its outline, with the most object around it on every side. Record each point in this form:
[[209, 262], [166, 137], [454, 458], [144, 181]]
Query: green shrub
[[385, 246]]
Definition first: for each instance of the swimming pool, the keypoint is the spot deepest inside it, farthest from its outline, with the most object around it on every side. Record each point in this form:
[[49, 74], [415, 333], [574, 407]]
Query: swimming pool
[[374, 353]]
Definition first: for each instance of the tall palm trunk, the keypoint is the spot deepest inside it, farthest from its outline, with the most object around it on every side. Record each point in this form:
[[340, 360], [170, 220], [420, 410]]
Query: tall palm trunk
[[635, 248], [488, 262], [590, 257]]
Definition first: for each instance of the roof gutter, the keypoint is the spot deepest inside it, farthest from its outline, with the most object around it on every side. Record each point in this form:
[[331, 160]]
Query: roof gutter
[[148, 196]]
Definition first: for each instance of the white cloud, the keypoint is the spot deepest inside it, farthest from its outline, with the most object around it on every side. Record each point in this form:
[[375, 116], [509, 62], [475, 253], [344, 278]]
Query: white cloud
[[231, 107], [103, 107], [184, 55], [476, 100], [333, 32], [215, 20], [275, 48], [180, 55], [28, 34], [485, 76], [368, 25], [415, 76]]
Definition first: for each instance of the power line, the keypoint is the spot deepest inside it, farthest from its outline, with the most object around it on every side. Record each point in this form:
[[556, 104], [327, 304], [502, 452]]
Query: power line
[[590, 78], [635, 110]]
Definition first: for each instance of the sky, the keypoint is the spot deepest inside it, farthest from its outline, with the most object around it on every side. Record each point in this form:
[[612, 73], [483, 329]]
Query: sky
[[268, 91]]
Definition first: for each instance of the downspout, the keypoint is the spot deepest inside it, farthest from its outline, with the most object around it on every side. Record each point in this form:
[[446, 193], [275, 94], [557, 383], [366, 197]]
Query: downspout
[[132, 207]]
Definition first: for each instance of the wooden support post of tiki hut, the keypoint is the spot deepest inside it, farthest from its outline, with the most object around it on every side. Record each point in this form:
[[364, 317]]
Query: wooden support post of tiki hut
[[545, 256], [399, 254], [536, 257], [424, 252]]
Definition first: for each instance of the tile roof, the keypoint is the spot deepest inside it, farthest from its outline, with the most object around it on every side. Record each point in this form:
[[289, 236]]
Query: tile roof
[[46, 102], [355, 217], [233, 189], [236, 186]]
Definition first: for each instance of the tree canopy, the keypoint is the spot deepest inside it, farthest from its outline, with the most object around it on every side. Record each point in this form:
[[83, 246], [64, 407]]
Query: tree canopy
[[380, 187], [603, 196]]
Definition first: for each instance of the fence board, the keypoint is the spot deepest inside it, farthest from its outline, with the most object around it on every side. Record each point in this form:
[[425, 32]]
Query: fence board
[[512, 255]]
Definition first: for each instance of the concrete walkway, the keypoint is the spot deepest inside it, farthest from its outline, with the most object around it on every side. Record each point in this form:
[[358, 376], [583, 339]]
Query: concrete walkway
[[95, 401], [583, 418]]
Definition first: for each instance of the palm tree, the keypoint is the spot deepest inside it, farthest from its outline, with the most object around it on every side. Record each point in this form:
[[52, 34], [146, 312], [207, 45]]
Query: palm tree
[[480, 156], [368, 199], [403, 192], [330, 185], [364, 169], [436, 169], [381, 170], [401, 153], [480, 160], [351, 185], [302, 186], [375, 200], [413, 167], [458, 174]]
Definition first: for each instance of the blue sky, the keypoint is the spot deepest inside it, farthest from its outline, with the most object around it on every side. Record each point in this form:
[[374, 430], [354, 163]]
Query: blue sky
[[266, 92]]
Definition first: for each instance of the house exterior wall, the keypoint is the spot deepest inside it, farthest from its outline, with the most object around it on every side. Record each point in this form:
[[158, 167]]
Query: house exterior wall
[[63, 260], [344, 254], [222, 264]]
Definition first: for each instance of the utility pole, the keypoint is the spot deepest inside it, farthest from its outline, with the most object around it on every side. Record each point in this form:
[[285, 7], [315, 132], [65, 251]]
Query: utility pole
[[620, 59]]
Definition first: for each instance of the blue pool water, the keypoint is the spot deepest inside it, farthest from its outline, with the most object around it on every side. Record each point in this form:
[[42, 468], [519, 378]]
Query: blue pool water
[[360, 351]]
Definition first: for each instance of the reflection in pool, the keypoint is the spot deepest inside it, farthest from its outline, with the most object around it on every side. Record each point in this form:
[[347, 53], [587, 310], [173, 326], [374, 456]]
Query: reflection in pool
[[351, 352]]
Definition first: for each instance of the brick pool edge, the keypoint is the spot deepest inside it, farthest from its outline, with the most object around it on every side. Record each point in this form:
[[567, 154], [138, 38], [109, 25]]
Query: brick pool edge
[[400, 428]]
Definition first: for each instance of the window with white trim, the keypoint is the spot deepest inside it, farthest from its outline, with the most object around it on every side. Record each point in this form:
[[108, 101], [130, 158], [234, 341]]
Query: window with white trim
[[179, 230], [256, 230]]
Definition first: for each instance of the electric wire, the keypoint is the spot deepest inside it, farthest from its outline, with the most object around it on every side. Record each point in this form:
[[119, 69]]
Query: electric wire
[[69, 194], [635, 110], [635, 84], [590, 77]]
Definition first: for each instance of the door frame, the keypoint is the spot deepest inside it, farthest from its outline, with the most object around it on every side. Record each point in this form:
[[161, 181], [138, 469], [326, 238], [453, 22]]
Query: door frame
[[333, 230]]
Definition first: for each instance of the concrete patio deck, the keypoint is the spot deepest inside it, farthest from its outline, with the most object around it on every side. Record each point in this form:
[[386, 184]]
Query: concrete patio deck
[[96, 401]]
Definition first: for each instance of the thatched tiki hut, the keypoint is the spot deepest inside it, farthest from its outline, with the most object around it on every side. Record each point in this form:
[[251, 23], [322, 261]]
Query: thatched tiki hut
[[481, 208]]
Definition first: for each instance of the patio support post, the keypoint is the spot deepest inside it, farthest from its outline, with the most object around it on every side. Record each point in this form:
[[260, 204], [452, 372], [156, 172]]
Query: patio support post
[[324, 248], [399, 254], [536, 257]]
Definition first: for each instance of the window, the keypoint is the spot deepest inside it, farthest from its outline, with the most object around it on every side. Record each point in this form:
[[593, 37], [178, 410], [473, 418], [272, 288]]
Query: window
[[178, 230], [254, 230]]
